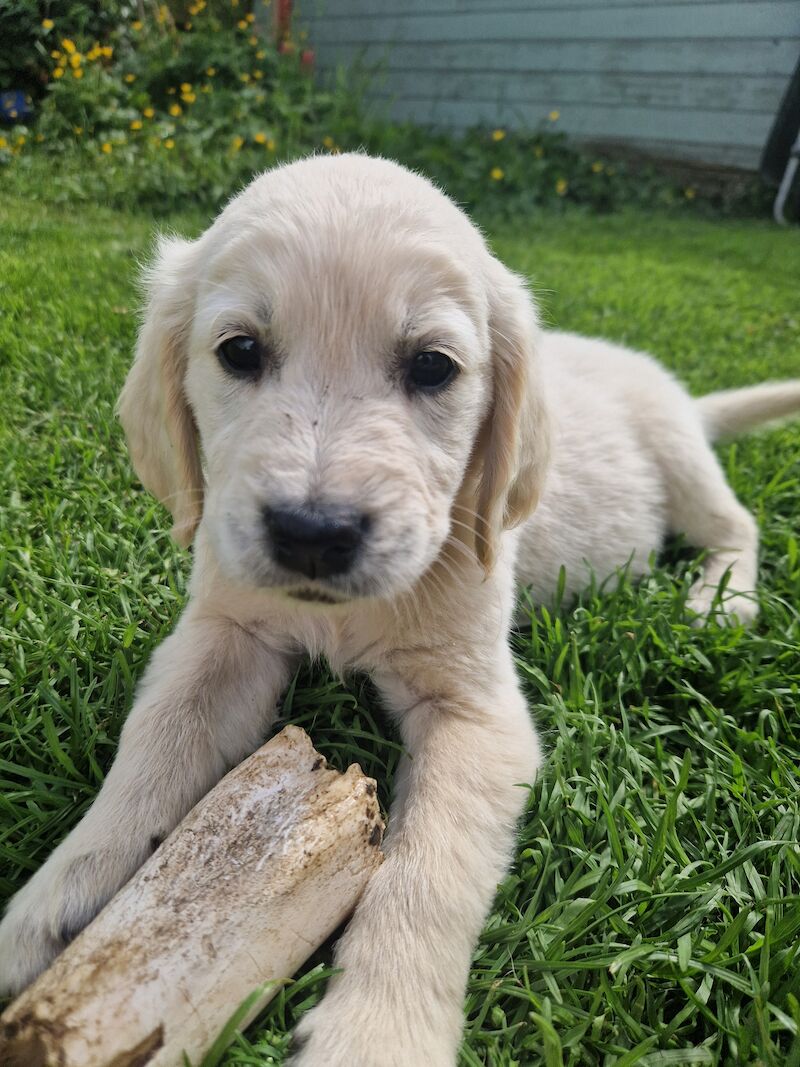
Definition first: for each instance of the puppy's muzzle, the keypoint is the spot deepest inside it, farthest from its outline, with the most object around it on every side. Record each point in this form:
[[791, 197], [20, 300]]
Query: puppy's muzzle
[[317, 543]]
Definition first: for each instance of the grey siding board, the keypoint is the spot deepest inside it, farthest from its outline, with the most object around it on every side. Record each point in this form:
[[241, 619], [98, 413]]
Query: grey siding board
[[695, 80], [695, 59], [710, 21]]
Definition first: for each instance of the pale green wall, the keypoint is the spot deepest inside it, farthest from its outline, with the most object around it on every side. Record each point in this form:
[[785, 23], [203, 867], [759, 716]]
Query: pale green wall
[[689, 80]]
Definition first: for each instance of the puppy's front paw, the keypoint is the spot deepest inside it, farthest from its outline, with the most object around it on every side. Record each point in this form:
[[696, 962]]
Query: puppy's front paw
[[705, 603], [57, 903], [357, 1032]]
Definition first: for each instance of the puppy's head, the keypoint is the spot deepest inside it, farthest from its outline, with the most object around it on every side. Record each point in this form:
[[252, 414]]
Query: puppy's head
[[335, 378]]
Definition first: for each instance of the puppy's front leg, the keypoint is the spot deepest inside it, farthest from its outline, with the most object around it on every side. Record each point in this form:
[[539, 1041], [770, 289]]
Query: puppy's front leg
[[205, 702], [405, 956]]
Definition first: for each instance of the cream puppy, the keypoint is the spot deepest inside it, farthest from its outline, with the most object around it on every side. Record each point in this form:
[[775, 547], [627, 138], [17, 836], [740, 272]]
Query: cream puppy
[[347, 403]]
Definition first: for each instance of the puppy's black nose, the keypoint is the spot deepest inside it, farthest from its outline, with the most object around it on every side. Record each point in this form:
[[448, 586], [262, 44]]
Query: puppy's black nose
[[316, 543]]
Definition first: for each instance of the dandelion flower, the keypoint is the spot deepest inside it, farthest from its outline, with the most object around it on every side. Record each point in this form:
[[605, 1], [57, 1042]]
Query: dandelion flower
[[58, 72], [188, 98], [3, 142], [561, 186], [328, 141], [68, 46], [136, 25], [106, 148], [538, 151], [78, 131], [242, 24], [55, 54], [690, 193], [21, 140], [130, 78], [260, 138], [175, 110], [258, 74], [136, 124], [554, 116], [260, 54], [211, 71], [497, 174], [270, 145], [148, 112], [597, 167], [252, 41], [186, 87], [237, 143], [244, 78], [75, 60], [47, 24], [169, 143], [498, 135], [78, 73]]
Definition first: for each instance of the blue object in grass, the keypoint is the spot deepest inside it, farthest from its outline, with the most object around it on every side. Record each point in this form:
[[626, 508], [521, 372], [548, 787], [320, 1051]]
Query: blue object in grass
[[15, 105]]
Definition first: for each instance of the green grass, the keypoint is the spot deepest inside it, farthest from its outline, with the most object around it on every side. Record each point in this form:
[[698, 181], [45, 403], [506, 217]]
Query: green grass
[[653, 912]]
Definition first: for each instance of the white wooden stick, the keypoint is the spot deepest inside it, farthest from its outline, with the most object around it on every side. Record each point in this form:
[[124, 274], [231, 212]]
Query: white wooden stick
[[252, 881]]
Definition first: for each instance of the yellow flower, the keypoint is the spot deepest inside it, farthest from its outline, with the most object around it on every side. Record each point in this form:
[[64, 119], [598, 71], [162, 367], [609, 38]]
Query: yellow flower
[[188, 98], [186, 87], [130, 78], [78, 131], [538, 151], [690, 193], [107, 51], [206, 88], [260, 138], [39, 138], [148, 112], [258, 74], [75, 60], [597, 167], [55, 55], [78, 73], [253, 41], [244, 78], [171, 91], [58, 72], [242, 24], [106, 148], [498, 135], [497, 174], [270, 145], [169, 143], [175, 110], [260, 54], [3, 142], [328, 142], [561, 186], [234, 3], [211, 71], [47, 24], [250, 17], [554, 116], [136, 124], [68, 46], [237, 143], [136, 25], [21, 140]]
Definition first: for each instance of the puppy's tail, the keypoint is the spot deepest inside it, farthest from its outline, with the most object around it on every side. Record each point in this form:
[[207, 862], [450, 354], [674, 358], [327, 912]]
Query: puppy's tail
[[734, 411]]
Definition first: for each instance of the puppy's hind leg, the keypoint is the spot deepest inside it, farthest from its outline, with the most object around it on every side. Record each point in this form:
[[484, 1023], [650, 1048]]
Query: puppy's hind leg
[[703, 507]]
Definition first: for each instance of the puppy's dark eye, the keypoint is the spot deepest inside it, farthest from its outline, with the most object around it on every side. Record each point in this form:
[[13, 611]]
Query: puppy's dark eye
[[242, 356], [430, 371]]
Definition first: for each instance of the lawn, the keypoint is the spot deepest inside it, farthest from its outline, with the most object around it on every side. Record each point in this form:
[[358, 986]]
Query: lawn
[[652, 915]]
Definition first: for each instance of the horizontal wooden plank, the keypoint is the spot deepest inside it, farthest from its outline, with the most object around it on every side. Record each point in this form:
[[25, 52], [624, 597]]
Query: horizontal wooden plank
[[588, 120], [716, 92], [737, 57], [349, 9], [719, 22]]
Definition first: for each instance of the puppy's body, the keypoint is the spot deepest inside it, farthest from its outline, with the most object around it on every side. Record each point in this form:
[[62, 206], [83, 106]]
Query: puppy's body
[[343, 397]]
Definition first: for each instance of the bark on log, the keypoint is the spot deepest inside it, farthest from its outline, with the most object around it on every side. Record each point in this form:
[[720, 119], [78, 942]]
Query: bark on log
[[252, 881]]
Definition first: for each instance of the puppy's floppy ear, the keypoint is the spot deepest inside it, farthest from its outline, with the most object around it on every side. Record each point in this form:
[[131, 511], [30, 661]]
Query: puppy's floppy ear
[[514, 443], [152, 407]]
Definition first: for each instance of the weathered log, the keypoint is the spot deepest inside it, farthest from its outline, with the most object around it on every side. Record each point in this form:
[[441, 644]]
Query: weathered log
[[252, 881]]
